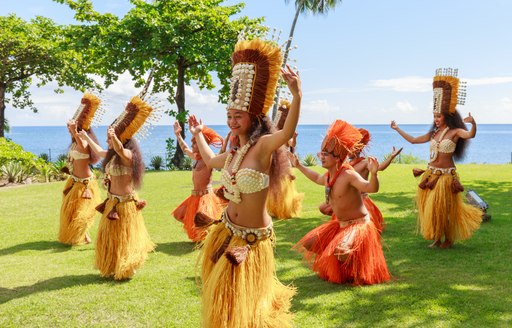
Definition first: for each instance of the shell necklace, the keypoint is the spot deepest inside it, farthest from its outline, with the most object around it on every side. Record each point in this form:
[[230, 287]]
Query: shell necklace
[[434, 149], [240, 152]]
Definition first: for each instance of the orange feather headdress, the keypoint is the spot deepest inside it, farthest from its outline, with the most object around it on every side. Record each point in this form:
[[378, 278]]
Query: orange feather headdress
[[88, 112], [449, 91], [282, 113], [342, 139], [255, 73], [211, 137]]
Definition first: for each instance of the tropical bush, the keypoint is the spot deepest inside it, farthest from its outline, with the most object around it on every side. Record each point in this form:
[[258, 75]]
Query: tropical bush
[[45, 157], [309, 160], [46, 171], [406, 159], [16, 171], [11, 151], [156, 162], [170, 149], [187, 163]]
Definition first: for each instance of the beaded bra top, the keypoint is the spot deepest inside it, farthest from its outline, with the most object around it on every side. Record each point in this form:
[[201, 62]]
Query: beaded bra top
[[116, 170], [243, 181], [445, 146], [74, 154]]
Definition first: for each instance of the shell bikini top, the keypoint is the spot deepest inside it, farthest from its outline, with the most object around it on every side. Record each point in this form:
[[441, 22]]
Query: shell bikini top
[[243, 181], [116, 170], [446, 146], [74, 154]]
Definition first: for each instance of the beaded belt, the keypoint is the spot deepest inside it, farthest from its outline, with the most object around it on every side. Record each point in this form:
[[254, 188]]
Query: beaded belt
[[81, 180], [441, 170], [201, 192], [121, 199], [346, 223], [250, 235]]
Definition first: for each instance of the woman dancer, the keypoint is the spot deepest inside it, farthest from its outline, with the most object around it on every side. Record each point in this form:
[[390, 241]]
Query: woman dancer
[[81, 193], [441, 210], [202, 200], [239, 283]]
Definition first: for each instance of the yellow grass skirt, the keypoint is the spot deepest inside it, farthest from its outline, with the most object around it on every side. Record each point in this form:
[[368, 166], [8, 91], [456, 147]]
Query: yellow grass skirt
[[123, 244], [77, 214], [443, 212], [244, 295], [285, 202]]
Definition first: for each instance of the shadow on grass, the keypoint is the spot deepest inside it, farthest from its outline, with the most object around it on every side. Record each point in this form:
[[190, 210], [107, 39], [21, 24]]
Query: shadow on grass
[[42, 245], [52, 284], [176, 248]]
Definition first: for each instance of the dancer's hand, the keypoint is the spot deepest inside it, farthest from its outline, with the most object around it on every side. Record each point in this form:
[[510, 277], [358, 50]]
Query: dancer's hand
[[469, 119], [394, 126], [292, 79], [194, 126], [294, 159], [395, 152], [373, 165], [177, 128]]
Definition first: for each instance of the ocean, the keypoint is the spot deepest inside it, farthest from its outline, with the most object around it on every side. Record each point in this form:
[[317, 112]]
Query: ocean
[[492, 144]]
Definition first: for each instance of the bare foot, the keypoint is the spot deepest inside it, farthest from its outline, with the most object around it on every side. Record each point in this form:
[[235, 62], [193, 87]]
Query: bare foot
[[436, 243], [447, 244], [87, 239]]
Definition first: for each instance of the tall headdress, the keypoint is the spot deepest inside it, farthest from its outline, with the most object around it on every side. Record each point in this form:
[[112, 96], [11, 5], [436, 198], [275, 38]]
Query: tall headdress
[[89, 112], [449, 91], [366, 137], [342, 139], [282, 113], [255, 73]]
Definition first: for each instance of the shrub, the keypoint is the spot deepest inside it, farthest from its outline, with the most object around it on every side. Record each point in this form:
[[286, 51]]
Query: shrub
[[406, 159], [187, 163], [309, 160], [46, 170], [170, 148], [156, 162], [16, 171], [45, 157], [11, 151]]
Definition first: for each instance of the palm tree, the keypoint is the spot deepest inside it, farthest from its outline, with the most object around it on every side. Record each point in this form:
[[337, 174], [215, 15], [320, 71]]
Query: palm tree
[[303, 6]]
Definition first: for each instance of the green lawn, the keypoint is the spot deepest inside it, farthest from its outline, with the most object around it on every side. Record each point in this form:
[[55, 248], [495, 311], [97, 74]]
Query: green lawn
[[46, 284]]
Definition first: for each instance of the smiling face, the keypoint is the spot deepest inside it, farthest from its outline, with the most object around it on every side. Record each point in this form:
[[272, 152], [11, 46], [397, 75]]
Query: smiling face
[[327, 159], [439, 120], [239, 122]]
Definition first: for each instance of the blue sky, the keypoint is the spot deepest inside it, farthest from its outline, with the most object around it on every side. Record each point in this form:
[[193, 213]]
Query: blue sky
[[367, 62]]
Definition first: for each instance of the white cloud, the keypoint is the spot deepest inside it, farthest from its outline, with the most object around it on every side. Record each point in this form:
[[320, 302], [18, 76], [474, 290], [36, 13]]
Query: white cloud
[[404, 84], [488, 80]]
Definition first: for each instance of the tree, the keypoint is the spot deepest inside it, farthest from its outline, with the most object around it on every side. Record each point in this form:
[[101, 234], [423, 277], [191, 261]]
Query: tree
[[180, 41], [303, 6], [38, 49]]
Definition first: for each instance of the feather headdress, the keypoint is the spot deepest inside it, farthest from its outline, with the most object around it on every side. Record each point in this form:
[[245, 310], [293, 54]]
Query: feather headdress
[[342, 139], [255, 73], [211, 137], [138, 117], [282, 113], [89, 112], [449, 91]]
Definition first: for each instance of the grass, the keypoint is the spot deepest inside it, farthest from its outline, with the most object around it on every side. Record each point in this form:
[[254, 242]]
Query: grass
[[46, 284]]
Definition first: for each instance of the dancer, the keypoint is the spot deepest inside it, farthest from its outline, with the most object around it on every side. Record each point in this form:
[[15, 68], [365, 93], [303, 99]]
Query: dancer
[[202, 200], [81, 193], [360, 164], [239, 283], [285, 202], [123, 241], [442, 213], [347, 249]]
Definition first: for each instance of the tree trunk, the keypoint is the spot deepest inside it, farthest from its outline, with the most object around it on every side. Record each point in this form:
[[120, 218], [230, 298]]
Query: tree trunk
[[179, 99], [3, 88], [285, 56]]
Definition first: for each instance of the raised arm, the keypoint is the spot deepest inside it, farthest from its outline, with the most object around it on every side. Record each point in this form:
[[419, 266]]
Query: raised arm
[[414, 140], [370, 186], [183, 145], [394, 153], [124, 154], [281, 137], [210, 159], [461, 133], [309, 173], [94, 146], [82, 145]]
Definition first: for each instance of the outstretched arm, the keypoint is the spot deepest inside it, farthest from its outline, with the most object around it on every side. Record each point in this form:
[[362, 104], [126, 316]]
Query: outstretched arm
[[414, 140], [124, 154], [384, 165], [94, 146], [309, 173], [211, 160], [181, 142]]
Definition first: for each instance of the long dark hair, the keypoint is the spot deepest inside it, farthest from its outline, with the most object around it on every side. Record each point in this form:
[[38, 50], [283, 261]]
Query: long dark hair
[[137, 163], [93, 157], [261, 126], [454, 121]]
